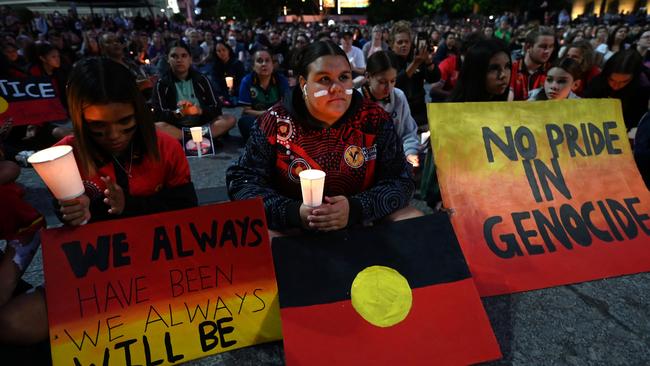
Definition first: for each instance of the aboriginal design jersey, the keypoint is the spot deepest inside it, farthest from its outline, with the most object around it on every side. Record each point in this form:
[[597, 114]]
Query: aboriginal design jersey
[[346, 151]]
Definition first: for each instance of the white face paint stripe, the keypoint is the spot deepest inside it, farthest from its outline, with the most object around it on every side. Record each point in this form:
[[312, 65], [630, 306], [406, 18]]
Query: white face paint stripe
[[349, 91], [321, 93]]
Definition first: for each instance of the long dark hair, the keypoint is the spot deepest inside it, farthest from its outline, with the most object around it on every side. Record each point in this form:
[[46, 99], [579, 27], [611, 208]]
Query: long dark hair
[[379, 62], [471, 79], [612, 37], [95, 81], [231, 53], [310, 53]]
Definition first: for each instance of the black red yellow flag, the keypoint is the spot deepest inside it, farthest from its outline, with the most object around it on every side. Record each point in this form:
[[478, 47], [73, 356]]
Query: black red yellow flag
[[384, 295]]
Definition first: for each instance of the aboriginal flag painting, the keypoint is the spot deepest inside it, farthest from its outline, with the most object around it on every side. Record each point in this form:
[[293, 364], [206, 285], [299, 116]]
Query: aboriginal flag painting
[[386, 295]]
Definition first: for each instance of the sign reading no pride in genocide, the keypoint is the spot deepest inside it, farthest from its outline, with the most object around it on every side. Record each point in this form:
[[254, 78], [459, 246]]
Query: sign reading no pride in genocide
[[161, 289], [543, 193]]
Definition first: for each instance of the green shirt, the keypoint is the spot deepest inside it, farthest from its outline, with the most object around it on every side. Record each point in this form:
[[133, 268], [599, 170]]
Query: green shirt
[[185, 91]]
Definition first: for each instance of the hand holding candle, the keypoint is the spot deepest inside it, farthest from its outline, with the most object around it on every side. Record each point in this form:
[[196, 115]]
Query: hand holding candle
[[58, 169], [230, 82]]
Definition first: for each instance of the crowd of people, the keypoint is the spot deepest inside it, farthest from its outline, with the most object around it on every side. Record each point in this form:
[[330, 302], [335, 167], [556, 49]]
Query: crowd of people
[[343, 98]]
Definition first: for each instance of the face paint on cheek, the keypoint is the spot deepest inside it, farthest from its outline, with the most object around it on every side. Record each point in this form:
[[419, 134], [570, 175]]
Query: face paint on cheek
[[349, 91], [320, 93]]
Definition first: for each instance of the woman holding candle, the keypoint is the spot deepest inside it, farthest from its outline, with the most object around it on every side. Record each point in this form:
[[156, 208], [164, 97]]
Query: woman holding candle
[[184, 98], [227, 65], [328, 126], [127, 166], [127, 169]]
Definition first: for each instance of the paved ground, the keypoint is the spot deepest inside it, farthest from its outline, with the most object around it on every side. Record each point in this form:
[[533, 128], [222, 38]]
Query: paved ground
[[603, 322]]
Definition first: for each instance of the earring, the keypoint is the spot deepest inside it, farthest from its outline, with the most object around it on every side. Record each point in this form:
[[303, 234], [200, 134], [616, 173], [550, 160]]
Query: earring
[[304, 91]]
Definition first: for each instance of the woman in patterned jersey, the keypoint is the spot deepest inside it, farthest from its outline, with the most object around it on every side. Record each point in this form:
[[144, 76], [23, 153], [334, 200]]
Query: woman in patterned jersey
[[325, 125]]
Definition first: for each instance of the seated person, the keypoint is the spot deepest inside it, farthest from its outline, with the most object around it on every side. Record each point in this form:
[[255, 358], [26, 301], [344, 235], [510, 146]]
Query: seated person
[[259, 90], [380, 87], [127, 166], [184, 98], [325, 125]]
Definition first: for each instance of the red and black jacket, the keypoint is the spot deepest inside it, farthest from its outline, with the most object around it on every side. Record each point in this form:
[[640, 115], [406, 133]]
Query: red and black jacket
[[360, 153]]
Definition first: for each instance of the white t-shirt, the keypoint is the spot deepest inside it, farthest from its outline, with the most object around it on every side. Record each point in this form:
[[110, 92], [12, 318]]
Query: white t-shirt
[[356, 58]]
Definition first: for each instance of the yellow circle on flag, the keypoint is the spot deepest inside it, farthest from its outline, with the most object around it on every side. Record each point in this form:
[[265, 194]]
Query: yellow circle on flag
[[3, 105], [381, 295]]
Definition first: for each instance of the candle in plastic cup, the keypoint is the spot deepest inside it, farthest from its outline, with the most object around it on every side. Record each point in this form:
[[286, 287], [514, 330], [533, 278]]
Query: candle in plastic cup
[[312, 183], [197, 134], [230, 82], [58, 169]]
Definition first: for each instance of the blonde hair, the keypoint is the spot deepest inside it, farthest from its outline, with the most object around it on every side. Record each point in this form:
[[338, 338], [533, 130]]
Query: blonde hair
[[401, 26]]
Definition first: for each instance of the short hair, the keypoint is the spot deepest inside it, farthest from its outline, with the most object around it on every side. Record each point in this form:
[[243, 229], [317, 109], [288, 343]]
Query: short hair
[[310, 53], [533, 35], [178, 43], [96, 81], [401, 26], [569, 65]]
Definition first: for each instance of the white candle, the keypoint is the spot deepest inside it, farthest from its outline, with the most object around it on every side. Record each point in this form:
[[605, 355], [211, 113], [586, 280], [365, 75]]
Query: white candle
[[197, 137], [58, 169], [312, 184]]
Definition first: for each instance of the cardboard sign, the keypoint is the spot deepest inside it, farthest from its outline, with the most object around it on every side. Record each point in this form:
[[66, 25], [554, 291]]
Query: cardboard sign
[[191, 148], [31, 101], [543, 193], [398, 294], [161, 289]]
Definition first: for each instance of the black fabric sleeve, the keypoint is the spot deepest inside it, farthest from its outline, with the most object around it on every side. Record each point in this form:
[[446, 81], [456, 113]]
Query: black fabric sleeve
[[394, 185], [160, 110], [251, 176], [212, 108]]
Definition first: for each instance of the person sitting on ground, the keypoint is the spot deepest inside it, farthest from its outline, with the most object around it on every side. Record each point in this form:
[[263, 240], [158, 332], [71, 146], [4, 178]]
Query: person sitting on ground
[[615, 43], [414, 67], [622, 78], [127, 166], [561, 79], [184, 98], [112, 47], [356, 58], [259, 90], [583, 53], [380, 87], [325, 125], [529, 73], [484, 77], [226, 64]]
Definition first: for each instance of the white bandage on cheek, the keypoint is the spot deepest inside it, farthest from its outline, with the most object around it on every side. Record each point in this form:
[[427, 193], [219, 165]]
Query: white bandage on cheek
[[349, 91], [321, 93]]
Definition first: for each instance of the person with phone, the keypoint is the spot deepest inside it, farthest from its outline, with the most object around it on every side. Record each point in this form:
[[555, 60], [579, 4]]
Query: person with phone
[[414, 67]]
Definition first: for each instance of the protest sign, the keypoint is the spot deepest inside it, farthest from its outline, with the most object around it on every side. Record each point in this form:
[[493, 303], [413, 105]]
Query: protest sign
[[386, 295], [543, 193], [161, 289], [31, 100]]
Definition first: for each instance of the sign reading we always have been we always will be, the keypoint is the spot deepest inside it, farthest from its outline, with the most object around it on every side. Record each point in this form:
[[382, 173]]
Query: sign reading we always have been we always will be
[[542, 194], [161, 289]]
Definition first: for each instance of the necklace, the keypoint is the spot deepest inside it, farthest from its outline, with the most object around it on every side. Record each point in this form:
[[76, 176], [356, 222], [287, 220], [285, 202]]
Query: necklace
[[128, 172]]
